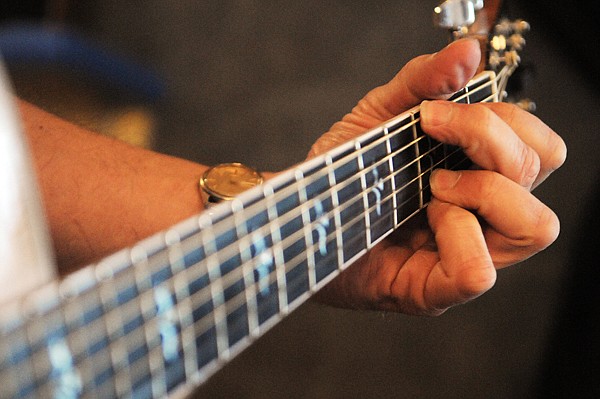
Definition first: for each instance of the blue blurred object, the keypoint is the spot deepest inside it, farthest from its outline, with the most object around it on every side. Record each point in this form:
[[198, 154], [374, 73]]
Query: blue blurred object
[[46, 44]]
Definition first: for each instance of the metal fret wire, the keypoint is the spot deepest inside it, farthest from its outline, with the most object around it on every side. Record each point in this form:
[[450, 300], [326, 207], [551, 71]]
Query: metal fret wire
[[116, 337], [285, 192], [229, 277], [343, 159], [377, 142], [205, 322], [236, 301]]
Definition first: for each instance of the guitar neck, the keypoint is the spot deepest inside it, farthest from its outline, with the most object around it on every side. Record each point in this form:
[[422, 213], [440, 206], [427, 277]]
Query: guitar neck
[[163, 316]]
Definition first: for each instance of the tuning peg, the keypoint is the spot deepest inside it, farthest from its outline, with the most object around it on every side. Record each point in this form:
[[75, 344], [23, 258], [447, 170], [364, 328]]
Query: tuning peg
[[497, 58], [498, 43], [494, 59], [456, 15], [520, 26], [516, 41], [506, 27], [512, 57], [503, 27]]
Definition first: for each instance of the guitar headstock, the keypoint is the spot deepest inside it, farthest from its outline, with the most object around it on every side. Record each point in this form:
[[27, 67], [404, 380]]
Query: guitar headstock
[[501, 40]]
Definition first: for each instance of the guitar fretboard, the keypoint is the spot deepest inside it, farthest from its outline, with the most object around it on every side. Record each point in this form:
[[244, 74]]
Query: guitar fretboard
[[166, 314]]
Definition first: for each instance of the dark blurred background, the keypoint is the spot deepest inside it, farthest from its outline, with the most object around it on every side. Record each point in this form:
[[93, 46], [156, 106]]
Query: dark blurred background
[[258, 82]]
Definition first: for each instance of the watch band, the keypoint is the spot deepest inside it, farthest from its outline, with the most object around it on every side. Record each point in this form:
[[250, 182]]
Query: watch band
[[225, 181]]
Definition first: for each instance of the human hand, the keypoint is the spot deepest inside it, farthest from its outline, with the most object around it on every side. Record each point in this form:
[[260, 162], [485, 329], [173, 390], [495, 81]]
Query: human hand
[[479, 220]]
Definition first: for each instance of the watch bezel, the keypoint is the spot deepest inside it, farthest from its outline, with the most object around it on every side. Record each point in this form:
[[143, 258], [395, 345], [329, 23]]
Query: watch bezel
[[213, 196]]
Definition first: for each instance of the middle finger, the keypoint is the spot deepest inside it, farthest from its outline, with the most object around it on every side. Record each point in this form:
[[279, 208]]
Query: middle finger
[[485, 138]]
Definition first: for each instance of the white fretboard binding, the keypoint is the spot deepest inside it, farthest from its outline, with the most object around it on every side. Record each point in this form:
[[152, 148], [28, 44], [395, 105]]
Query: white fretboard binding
[[163, 316]]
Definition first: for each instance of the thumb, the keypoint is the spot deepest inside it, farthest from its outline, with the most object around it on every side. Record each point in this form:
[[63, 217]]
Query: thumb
[[433, 76]]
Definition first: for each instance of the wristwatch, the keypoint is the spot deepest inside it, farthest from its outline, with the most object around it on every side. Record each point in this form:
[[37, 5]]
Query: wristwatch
[[225, 181]]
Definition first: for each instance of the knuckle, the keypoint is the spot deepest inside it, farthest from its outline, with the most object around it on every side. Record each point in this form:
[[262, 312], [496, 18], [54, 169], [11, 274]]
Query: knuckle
[[489, 185], [530, 166], [508, 111], [448, 83], [557, 154], [477, 279], [480, 112], [547, 228], [484, 116]]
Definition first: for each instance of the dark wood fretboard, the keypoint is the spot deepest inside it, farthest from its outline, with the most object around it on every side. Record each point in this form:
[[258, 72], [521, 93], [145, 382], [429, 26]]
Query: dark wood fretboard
[[163, 316]]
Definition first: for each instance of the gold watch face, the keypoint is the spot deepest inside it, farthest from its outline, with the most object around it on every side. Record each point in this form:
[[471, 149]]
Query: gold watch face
[[225, 181]]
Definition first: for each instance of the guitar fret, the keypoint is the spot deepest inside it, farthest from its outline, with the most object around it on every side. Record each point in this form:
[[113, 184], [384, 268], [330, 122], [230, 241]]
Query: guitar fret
[[199, 338], [51, 359], [157, 341], [310, 258], [16, 370], [144, 346], [415, 135], [87, 337], [154, 367], [118, 384], [216, 290], [233, 284], [266, 279], [336, 211], [405, 167], [363, 185], [174, 307], [351, 205], [379, 188], [247, 269], [279, 260], [390, 162], [185, 313], [187, 363], [432, 155]]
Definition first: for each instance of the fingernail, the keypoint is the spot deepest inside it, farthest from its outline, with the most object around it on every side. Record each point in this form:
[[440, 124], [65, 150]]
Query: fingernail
[[443, 179], [434, 113]]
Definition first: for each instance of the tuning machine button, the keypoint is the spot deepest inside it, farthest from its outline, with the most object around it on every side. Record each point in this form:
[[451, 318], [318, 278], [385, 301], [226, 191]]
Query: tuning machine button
[[456, 15]]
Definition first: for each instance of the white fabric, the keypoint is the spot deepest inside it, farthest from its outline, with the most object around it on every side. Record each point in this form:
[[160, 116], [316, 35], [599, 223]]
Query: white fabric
[[25, 255]]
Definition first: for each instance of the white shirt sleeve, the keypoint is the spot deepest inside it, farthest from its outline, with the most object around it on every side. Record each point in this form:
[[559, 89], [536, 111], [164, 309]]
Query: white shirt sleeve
[[26, 259]]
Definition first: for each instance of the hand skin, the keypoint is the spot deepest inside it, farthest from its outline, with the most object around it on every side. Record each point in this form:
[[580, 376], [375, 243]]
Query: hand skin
[[101, 195], [427, 269]]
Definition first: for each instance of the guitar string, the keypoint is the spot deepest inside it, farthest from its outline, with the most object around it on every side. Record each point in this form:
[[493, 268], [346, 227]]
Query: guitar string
[[237, 279], [204, 325], [334, 233], [237, 300], [107, 315], [283, 193], [338, 187], [283, 219], [286, 191], [383, 139], [200, 325], [285, 244], [386, 137], [194, 325], [227, 302]]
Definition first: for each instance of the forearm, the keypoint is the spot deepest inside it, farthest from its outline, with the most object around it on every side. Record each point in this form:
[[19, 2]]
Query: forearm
[[101, 194]]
